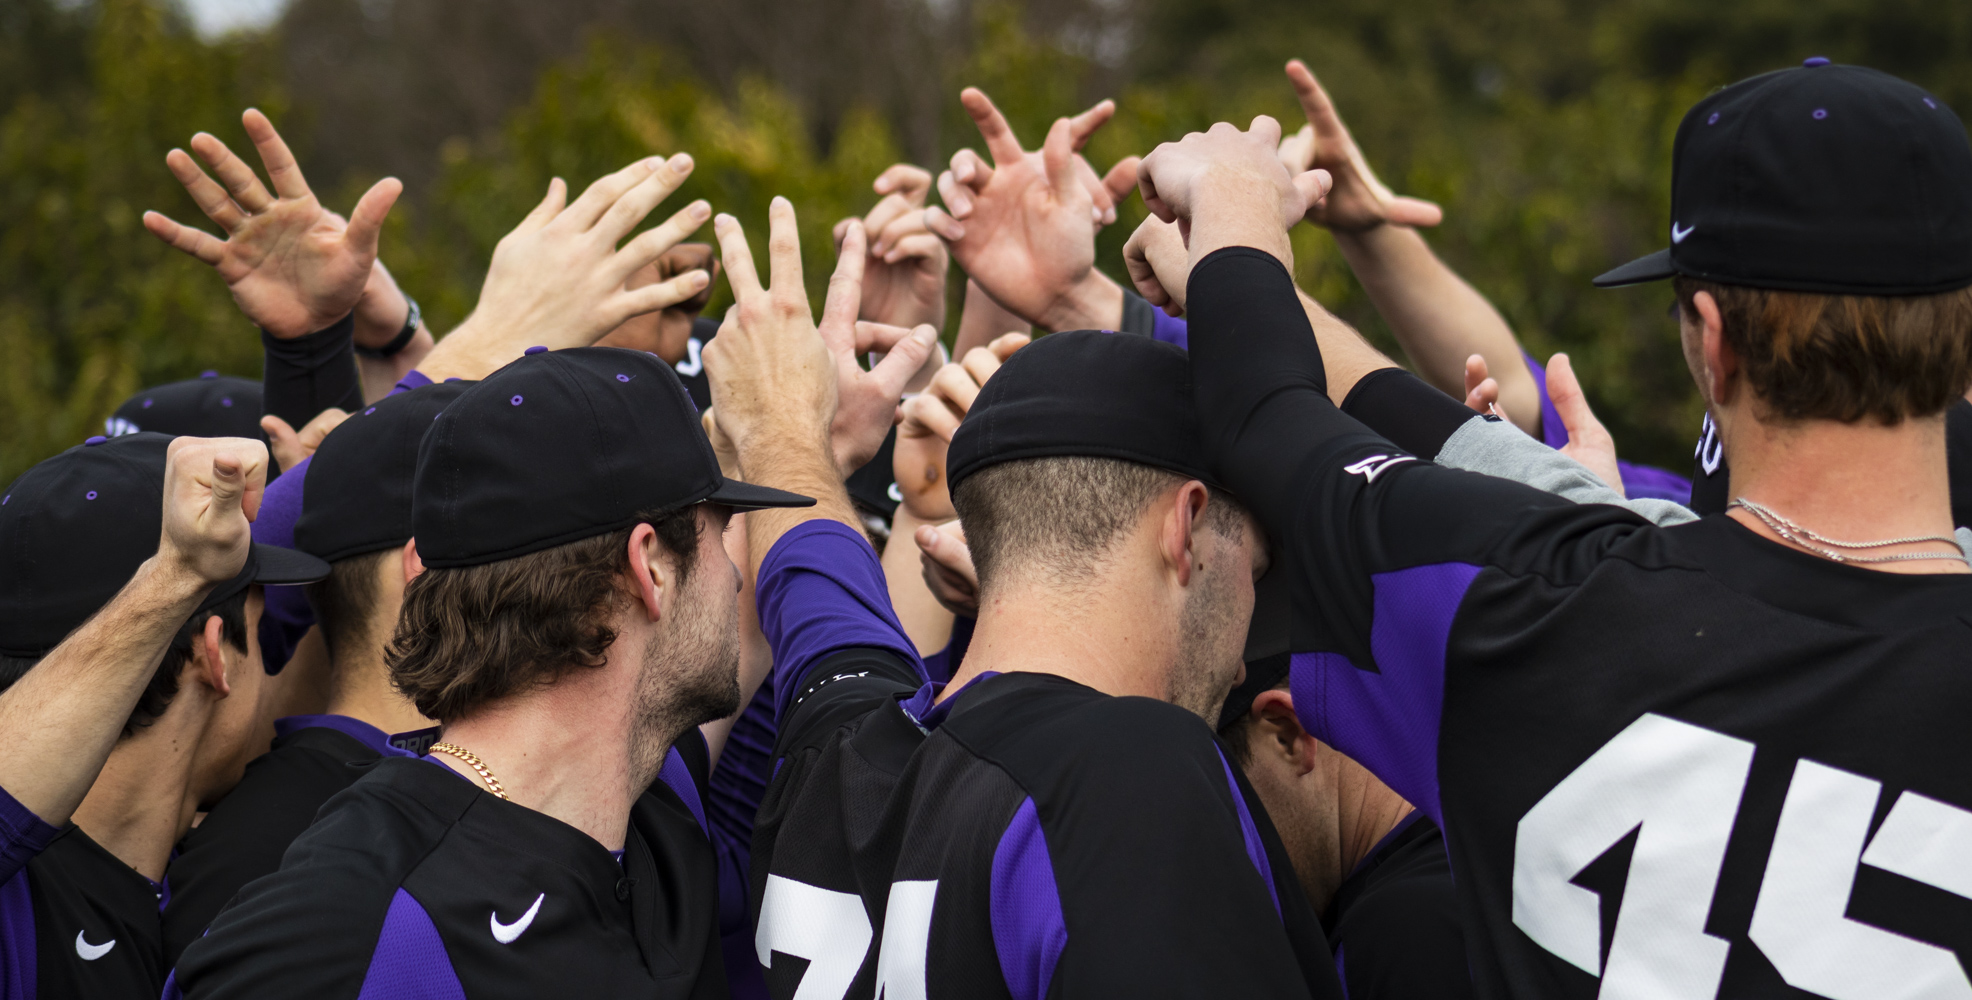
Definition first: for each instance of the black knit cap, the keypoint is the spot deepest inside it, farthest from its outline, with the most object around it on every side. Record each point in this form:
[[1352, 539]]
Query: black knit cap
[[564, 445], [358, 492], [1839, 180], [212, 405], [1088, 393], [74, 529]]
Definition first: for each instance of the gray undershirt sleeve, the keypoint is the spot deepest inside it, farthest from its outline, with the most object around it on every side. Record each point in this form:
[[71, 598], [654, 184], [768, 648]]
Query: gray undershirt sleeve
[[1497, 448]]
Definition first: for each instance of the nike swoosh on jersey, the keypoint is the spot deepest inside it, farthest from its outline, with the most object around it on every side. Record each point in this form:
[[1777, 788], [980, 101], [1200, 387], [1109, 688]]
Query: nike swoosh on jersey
[[1678, 235], [91, 952], [506, 933]]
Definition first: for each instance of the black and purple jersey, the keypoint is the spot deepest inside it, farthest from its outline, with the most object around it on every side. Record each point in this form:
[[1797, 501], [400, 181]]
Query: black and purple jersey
[[1394, 922], [245, 835], [75, 920], [1029, 837], [416, 883], [1668, 762]]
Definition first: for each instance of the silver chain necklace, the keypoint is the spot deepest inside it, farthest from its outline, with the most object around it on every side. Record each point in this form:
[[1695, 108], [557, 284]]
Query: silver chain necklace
[[1828, 548]]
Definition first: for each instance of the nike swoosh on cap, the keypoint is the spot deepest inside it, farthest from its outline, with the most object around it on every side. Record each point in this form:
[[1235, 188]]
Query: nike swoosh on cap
[[506, 933], [92, 952], [1678, 235]]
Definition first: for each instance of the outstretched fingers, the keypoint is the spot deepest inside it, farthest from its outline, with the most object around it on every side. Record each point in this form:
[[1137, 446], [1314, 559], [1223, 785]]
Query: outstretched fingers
[[587, 209], [275, 156], [206, 192], [737, 257], [366, 221], [784, 256], [630, 209], [245, 188], [1320, 111], [652, 244], [845, 297], [1084, 125], [1058, 157]]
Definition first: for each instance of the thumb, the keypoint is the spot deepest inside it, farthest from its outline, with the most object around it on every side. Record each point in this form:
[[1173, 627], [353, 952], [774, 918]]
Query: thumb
[[229, 483], [1121, 181], [1313, 187], [903, 361], [366, 221], [1415, 212]]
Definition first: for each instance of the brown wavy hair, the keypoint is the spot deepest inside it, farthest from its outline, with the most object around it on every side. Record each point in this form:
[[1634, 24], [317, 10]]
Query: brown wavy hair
[[469, 635], [1845, 357]]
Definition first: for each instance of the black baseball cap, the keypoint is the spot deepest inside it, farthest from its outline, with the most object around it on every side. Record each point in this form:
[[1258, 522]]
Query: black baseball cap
[[212, 405], [74, 529], [1840, 180], [357, 496], [563, 445], [1089, 393]]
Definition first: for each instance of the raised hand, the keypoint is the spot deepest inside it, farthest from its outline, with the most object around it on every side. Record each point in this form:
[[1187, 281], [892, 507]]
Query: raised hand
[[212, 490], [559, 280], [948, 569], [930, 420], [667, 332], [293, 266], [1023, 227], [1224, 187], [866, 401], [1158, 264], [904, 278], [1588, 441], [1357, 201]]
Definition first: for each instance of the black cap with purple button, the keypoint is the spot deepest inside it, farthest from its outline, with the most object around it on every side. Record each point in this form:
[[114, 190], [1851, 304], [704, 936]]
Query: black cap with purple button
[[74, 529], [212, 405], [564, 445], [1839, 180]]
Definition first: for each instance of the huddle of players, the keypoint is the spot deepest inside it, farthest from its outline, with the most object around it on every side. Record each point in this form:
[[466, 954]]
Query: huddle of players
[[596, 700]]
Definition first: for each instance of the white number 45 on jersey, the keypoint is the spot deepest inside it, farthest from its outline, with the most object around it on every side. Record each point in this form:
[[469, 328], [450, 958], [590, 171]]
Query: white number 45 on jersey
[[1681, 784]]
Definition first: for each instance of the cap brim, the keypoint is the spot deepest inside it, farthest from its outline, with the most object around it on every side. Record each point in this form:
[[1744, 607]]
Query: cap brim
[[1655, 267], [746, 496], [277, 566]]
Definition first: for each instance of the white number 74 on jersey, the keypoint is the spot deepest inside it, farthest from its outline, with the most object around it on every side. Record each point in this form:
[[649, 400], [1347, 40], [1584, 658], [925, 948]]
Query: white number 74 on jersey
[[1681, 784]]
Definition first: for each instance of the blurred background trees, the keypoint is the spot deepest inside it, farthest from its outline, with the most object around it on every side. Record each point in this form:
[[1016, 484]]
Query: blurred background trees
[[1543, 126]]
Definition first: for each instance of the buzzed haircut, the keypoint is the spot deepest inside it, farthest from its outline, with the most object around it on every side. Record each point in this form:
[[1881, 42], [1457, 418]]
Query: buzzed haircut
[[469, 635], [1062, 513], [1845, 357], [346, 599]]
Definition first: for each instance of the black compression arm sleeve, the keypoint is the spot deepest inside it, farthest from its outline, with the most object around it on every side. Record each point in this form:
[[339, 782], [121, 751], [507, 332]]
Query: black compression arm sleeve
[[311, 373], [1414, 416]]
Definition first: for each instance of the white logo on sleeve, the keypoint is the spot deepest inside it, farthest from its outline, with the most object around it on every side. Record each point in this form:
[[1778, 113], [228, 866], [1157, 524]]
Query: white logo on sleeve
[[92, 952], [506, 933], [1373, 466], [1678, 233]]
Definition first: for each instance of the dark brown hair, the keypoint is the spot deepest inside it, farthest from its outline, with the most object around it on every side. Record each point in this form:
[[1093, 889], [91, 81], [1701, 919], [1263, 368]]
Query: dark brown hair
[[1064, 512], [469, 635], [1845, 357]]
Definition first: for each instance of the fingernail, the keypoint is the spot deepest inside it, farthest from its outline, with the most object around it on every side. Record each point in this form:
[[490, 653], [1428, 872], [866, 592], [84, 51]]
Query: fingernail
[[700, 279], [701, 210], [780, 201], [681, 162], [723, 220]]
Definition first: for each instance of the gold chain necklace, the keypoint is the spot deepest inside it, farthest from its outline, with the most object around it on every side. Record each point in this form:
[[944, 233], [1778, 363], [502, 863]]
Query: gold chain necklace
[[492, 783]]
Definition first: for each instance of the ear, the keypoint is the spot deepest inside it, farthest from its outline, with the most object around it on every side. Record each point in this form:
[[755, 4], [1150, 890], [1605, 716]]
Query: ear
[[208, 660], [1721, 361], [1179, 536], [413, 566], [650, 569], [1274, 719]]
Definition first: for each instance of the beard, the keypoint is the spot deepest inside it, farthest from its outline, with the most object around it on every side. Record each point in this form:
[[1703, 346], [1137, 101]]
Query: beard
[[1212, 636], [689, 675]]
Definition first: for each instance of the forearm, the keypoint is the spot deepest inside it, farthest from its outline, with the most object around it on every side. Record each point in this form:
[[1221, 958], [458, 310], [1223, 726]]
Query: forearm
[[925, 620], [63, 718], [1346, 356], [1094, 303], [1439, 318], [311, 373], [799, 460], [983, 320]]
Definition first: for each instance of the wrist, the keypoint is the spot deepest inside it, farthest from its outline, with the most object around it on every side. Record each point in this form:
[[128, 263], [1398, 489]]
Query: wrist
[[1093, 303], [170, 578]]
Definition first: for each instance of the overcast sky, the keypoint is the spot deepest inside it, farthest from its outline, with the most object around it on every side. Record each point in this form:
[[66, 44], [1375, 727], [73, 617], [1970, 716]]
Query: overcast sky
[[216, 17]]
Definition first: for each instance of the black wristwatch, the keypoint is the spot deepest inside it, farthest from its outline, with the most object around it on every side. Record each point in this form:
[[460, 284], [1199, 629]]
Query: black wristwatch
[[411, 321]]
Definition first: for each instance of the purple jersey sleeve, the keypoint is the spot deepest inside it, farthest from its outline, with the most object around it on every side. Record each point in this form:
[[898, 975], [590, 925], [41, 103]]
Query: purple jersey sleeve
[[22, 836], [820, 590], [1640, 482], [288, 616]]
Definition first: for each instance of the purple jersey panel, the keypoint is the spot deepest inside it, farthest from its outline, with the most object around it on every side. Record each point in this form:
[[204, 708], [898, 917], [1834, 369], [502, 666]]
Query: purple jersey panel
[[1170, 330], [410, 962], [1250, 833], [1640, 482], [1029, 930], [678, 776], [22, 836], [17, 977], [820, 590], [1388, 720]]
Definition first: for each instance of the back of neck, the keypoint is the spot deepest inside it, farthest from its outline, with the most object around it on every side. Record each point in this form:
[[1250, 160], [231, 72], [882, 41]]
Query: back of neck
[[361, 690], [1102, 637], [142, 802]]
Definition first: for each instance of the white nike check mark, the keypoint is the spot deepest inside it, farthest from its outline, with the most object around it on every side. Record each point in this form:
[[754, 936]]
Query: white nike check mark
[[506, 933], [1678, 235], [92, 952]]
